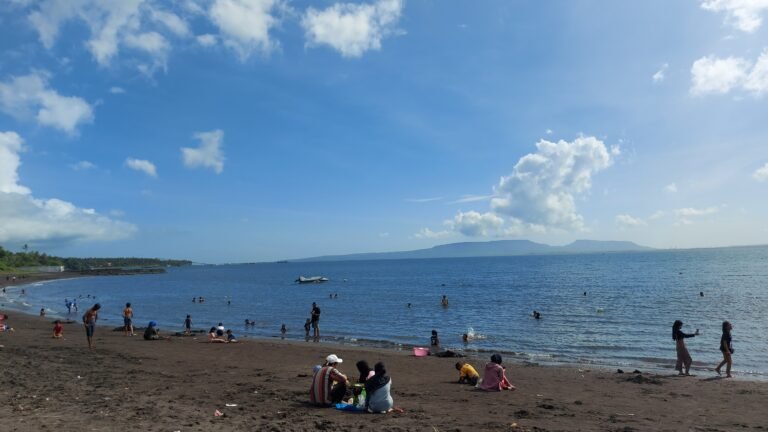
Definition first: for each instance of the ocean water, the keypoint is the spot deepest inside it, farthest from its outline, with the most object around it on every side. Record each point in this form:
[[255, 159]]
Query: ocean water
[[624, 320]]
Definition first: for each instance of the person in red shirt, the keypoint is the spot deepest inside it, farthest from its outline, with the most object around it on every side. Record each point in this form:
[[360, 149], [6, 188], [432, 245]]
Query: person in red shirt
[[58, 329]]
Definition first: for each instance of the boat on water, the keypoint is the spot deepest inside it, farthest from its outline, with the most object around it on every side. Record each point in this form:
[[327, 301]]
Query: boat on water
[[312, 279]]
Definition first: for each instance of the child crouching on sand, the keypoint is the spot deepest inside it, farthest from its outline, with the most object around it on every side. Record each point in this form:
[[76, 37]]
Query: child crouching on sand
[[58, 329], [494, 378], [467, 373]]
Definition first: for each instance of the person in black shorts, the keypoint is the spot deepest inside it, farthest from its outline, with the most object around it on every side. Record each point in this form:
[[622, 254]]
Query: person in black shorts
[[316, 320], [726, 347]]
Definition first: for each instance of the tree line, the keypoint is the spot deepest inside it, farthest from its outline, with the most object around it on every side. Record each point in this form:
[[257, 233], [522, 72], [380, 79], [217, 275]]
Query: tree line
[[10, 261]]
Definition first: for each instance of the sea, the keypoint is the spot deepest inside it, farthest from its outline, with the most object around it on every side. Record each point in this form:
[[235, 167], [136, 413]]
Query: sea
[[602, 310]]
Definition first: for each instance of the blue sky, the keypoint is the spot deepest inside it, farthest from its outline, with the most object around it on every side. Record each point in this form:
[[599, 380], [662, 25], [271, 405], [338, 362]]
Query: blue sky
[[256, 130]]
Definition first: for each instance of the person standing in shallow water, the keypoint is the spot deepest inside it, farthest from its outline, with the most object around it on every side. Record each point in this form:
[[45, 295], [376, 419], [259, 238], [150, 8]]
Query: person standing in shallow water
[[316, 320], [683, 357], [726, 347]]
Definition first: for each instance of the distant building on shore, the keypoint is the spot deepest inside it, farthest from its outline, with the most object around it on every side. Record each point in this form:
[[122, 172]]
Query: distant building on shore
[[42, 269]]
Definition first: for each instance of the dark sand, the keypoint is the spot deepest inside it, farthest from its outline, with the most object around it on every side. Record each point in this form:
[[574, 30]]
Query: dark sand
[[131, 384]]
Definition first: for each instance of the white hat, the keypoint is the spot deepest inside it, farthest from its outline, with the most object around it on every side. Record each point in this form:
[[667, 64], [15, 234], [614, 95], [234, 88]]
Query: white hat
[[333, 358]]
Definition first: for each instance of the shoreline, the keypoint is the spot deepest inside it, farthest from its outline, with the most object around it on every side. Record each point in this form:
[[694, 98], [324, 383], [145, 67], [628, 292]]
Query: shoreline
[[57, 384], [661, 366]]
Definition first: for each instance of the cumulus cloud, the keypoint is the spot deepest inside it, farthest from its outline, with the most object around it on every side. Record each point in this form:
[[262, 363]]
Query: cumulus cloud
[[475, 224], [426, 233], [112, 25], [208, 154], [26, 219], [245, 24], [352, 29], [761, 174], [142, 165], [543, 186], [660, 75], [627, 221], [29, 96], [713, 75], [116, 90], [671, 188], [745, 15]]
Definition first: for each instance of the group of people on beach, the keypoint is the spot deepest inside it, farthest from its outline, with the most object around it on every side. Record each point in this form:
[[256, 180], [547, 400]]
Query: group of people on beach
[[371, 392], [684, 360]]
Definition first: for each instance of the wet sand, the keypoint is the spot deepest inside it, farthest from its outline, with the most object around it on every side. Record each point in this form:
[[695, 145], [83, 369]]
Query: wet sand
[[177, 385]]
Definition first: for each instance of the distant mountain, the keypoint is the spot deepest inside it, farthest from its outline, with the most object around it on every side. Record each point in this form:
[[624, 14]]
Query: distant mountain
[[490, 248]]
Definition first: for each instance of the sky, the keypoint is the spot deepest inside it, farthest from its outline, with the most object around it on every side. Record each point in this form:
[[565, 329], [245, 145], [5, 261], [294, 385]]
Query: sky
[[258, 130]]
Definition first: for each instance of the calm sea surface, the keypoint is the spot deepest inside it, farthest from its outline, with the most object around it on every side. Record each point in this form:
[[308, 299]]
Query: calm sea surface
[[624, 320]]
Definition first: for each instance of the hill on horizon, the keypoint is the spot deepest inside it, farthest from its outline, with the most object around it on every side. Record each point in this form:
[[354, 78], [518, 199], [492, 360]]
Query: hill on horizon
[[489, 249]]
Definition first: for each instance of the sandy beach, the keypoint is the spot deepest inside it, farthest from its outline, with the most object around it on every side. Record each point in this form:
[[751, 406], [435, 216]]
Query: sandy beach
[[177, 385]]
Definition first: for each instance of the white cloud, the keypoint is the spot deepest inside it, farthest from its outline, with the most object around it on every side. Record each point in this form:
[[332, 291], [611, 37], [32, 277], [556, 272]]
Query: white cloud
[[426, 233], [82, 166], [142, 165], [671, 188], [475, 224], [383, 235], [10, 147], [721, 75], [352, 29], [116, 90], [112, 25], [761, 174], [24, 218], [207, 40], [542, 189], [714, 75], [660, 75], [745, 15], [171, 21], [685, 215], [658, 215], [757, 81], [472, 198], [549, 131], [29, 96], [245, 24], [627, 221], [209, 154]]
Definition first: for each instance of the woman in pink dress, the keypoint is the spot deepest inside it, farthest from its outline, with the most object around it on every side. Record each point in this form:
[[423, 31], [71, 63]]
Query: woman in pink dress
[[494, 378]]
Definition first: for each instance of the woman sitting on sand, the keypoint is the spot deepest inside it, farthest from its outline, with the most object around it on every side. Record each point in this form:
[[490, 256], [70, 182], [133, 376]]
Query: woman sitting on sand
[[213, 338], [494, 378], [377, 390], [683, 357], [365, 371]]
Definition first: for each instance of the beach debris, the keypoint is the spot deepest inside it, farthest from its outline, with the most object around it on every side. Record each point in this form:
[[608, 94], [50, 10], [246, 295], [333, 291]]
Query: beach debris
[[231, 405], [218, 413], [619, 371]]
